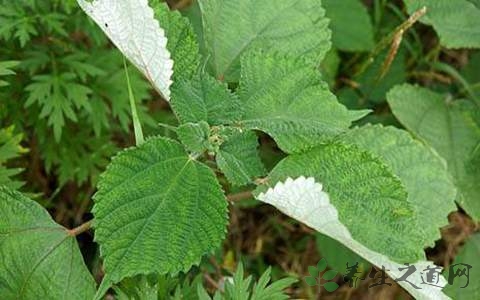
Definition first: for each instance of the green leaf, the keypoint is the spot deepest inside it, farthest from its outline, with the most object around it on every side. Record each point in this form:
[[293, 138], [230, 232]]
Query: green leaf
[[371, 200], [350, 23], [156, 210], [231, 28], [238, 157], [330, 286], [311, 281], [457, 22], [313, 271], [40, 259], [263, 291], [10, 148], [329, 275], [6, 69], [305, 200], [182, 40], [338, 255], [194, 136], [449, 127], [468, 254], [285, 98], [205, 99], [424, 174], [322, 265]]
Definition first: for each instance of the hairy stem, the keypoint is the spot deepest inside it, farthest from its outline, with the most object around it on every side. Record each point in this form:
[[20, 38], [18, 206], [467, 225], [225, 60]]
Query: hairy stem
[[80, 229]]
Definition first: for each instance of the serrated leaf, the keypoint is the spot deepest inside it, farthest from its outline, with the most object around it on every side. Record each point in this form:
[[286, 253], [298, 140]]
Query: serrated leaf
[[457, 22], [131, 26], [194, 136], [6, 69], [305, 200], [205, 99], [330, 286], [430, 188], [371, 200], [273, 291], [156, 210], [40, 259], [312, 271], [350, 23], [450, 128], [238, 157], [469, 254], [285, 98], [182, 40], [231, 28], [10, 148], [329, 275]]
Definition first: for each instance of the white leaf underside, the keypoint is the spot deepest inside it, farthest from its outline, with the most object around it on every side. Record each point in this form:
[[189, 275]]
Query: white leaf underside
[[131, 26], [304, 200]]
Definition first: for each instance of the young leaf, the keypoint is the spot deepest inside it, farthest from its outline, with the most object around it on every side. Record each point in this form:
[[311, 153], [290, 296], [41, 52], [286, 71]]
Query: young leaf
[[371, 200], [131, 26], [457, 22], [312, 271], [205, 99], [311, 281], [231, 28], [329, 275], [40, 259], [450, 128], [194, 136], [238, 158], [350, 23], [330, 286], [322, 265], [430, 187], [156, 210], [304, 199], [285, 98]]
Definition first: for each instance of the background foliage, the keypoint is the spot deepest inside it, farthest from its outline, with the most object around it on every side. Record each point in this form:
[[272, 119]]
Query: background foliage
[[64, 112]]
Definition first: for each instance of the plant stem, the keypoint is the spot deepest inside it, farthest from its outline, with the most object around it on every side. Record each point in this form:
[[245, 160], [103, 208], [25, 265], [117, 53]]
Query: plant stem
[[137, 126], [80, 229]]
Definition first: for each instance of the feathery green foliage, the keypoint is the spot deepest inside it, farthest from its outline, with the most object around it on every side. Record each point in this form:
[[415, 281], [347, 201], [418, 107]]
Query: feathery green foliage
[[10, 148]]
